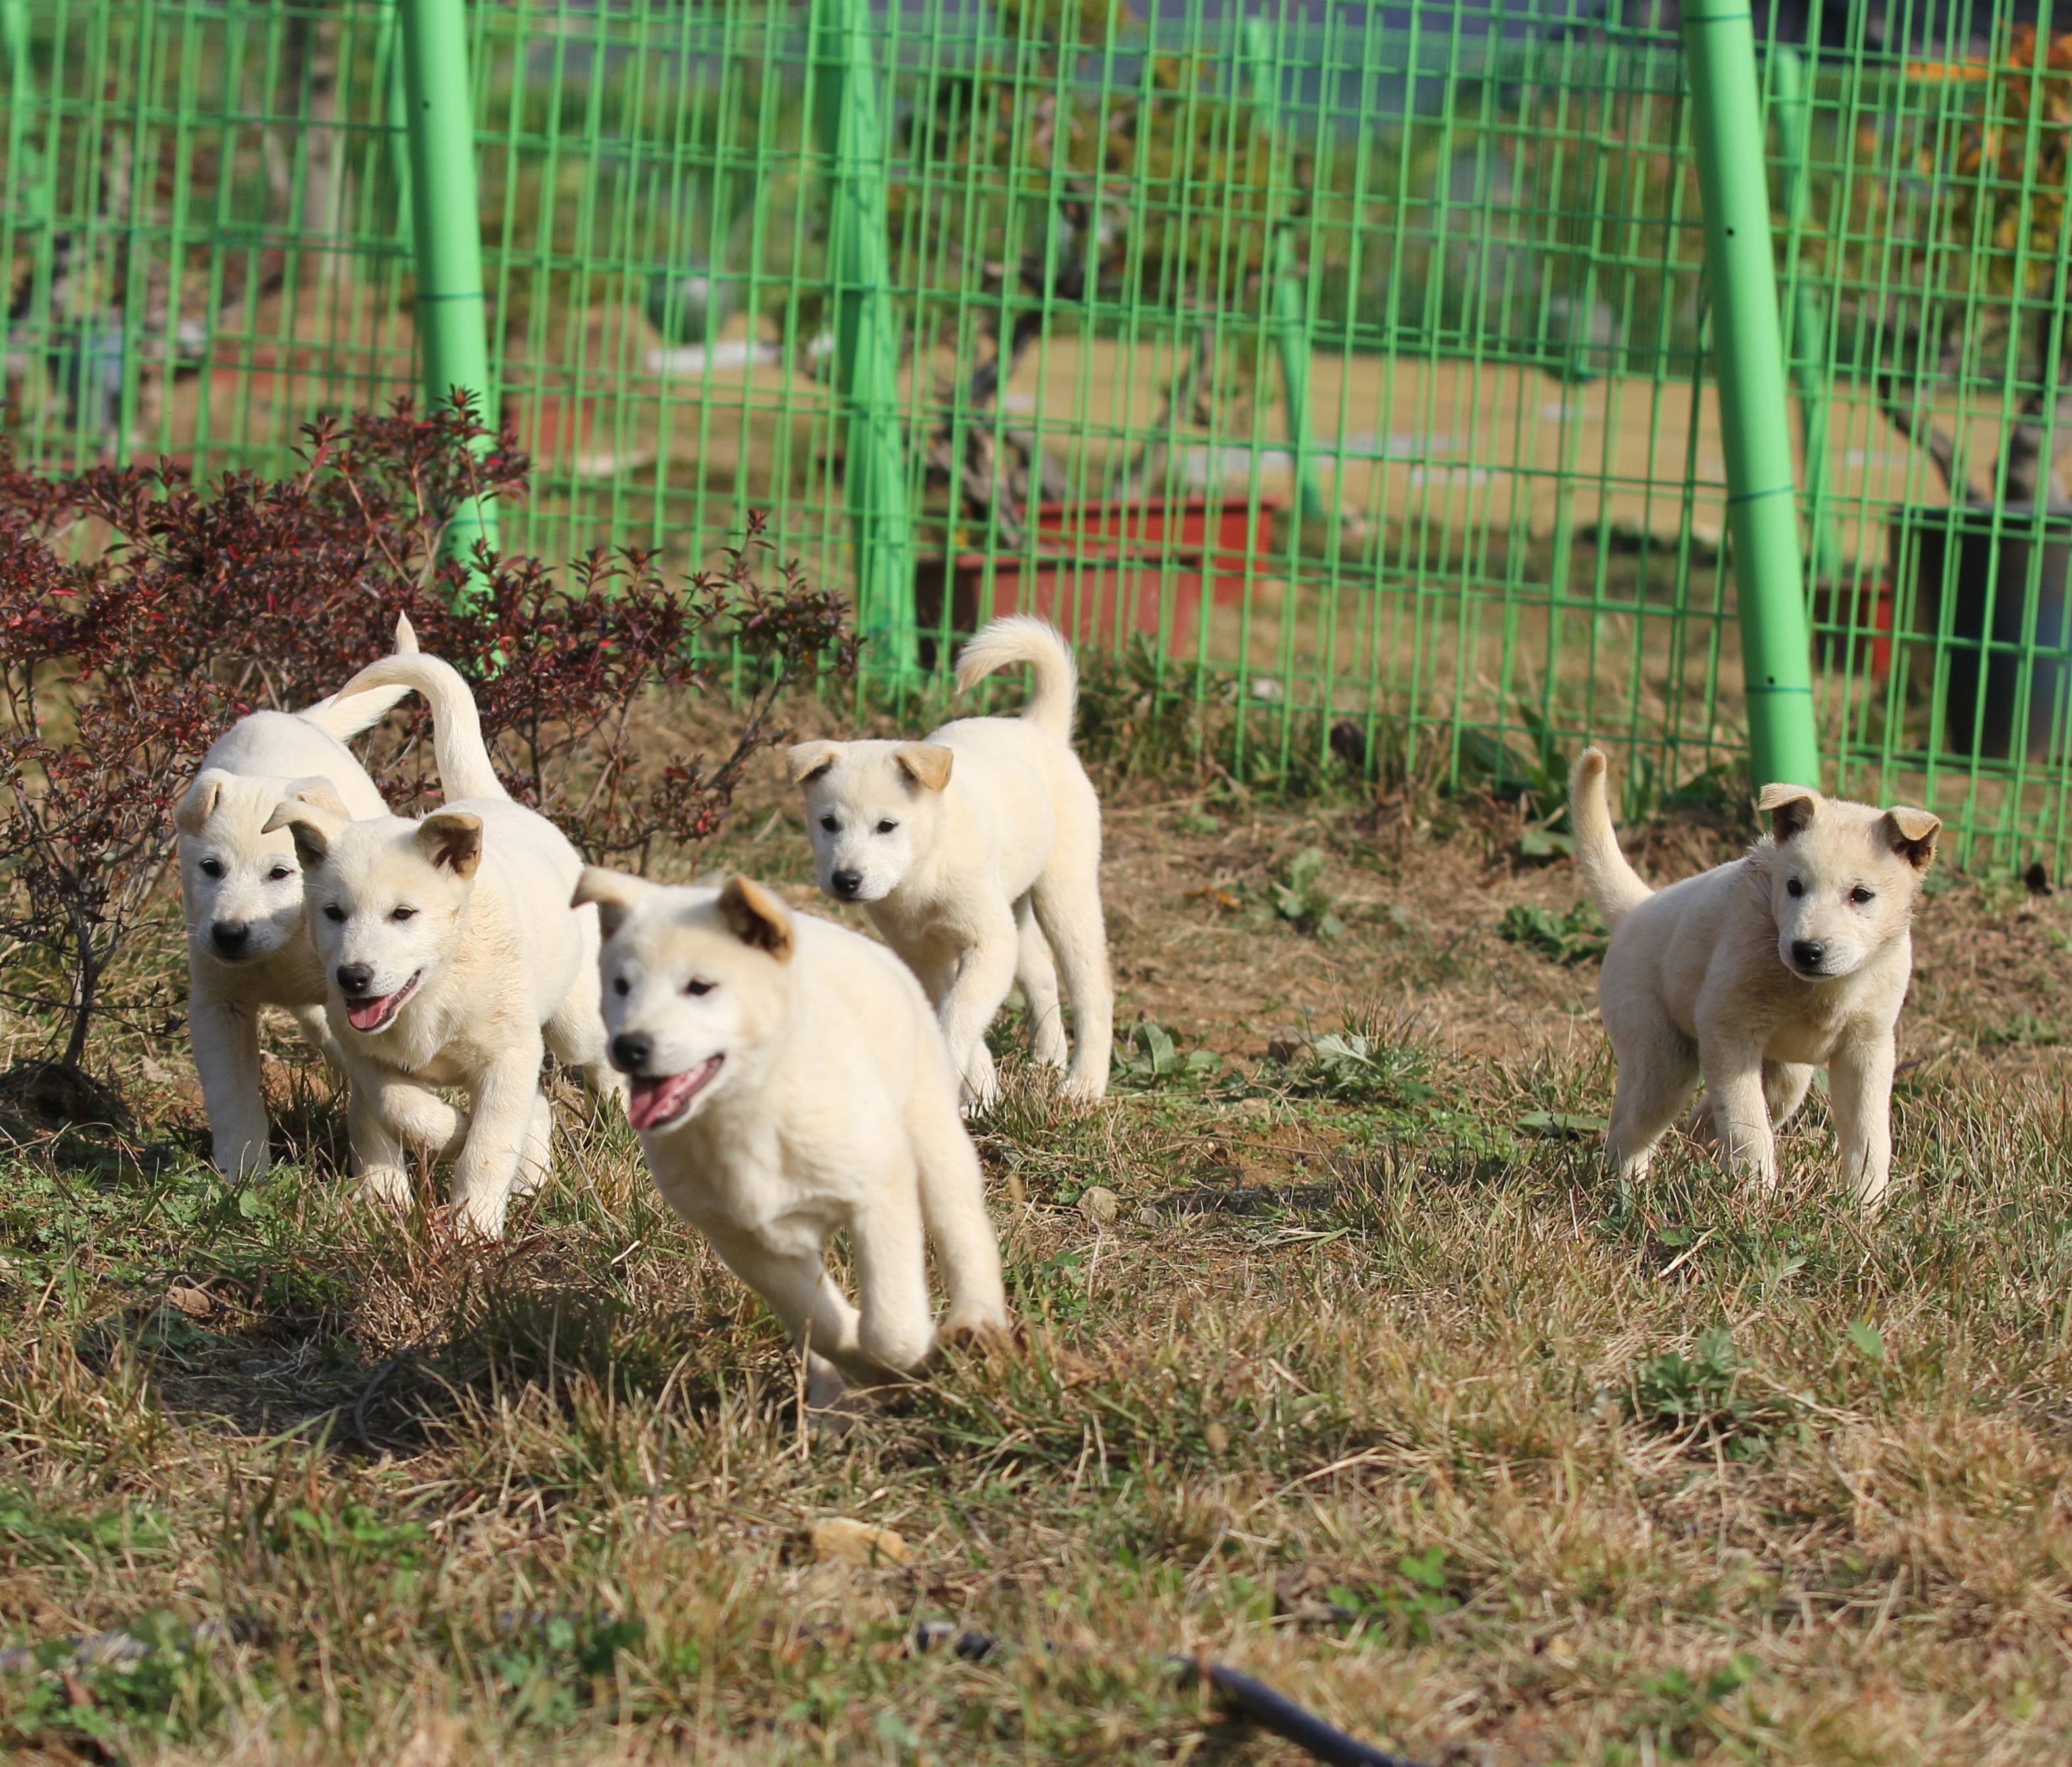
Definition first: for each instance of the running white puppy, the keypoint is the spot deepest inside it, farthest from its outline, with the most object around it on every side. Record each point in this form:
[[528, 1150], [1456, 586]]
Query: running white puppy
[[788, 1080], [241, 894], [453, 957], [976, 853], [1754, 973]]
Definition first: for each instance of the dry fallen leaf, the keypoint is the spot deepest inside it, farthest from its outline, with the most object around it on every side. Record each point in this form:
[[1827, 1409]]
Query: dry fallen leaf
[[842, 1537], [1099, 1205]]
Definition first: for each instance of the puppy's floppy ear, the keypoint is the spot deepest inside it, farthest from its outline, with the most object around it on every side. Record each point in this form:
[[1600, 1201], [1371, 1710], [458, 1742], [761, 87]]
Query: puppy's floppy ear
[[926, 764], [319, 794], [804, 761], [199, 805], [452, 840], [1790, 808], [313, 827], [1912, 834], [613, 892], [757, 918]]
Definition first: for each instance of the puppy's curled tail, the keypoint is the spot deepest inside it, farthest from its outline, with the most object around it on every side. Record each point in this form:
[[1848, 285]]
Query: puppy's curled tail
[[346, 714], [1024, 638], [1614, 885], [464, 768]]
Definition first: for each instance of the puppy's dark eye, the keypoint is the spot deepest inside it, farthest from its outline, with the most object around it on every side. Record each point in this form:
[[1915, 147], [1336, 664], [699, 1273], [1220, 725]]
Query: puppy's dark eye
[[887, 826], [403, 913], [1859, 895], [279, 873], [1793, 887], [211, 868], [620, 985], [831, 824], [332, 911], [696, 988]]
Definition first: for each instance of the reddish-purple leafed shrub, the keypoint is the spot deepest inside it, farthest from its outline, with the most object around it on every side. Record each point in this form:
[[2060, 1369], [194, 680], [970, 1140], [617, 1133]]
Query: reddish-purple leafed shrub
[[140, 614]]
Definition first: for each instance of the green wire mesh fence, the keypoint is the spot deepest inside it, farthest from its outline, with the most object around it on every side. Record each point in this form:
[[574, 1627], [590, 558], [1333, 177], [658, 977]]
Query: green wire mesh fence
[[1344, 365]]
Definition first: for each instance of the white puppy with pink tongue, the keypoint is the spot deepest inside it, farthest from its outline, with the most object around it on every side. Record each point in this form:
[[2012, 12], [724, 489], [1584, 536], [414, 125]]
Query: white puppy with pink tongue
[[452, 957]]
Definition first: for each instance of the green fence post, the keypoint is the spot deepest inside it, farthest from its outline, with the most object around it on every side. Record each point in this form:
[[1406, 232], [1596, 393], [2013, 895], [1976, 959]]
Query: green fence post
[[25, 164], [452, 335], [1810, 366], [388, 72], [866, 331], [1748, 352], [1290, 298]]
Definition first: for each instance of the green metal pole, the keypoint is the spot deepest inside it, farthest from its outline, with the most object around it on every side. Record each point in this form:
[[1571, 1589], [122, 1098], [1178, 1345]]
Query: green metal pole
[[452, 323], [388, 69], [866, 329], [1810, 367], [1290, 298], [25, 162], [1748, 351]]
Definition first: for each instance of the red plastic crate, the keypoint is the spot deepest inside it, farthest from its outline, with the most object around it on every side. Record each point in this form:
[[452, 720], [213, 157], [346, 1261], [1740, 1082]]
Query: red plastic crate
[[1094, 559]]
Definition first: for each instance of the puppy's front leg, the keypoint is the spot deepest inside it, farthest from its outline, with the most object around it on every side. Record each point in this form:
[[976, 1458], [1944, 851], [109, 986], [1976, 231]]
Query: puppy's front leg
[[1859, 1078], [893, 1329], [1741, 1113], [952, 1194], [815, 1315], [420, 1118], [315, 1027], [377, 1151], [225, 1040], [497, 1138], [985, 973]]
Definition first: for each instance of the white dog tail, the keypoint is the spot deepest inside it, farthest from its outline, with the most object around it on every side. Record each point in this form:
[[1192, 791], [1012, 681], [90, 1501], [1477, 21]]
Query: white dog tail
[[464, 768], [1614, 885], [1024, 638], [346, 714]]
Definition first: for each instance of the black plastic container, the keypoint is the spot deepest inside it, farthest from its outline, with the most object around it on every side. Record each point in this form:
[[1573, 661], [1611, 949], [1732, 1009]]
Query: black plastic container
[[1996, 566]]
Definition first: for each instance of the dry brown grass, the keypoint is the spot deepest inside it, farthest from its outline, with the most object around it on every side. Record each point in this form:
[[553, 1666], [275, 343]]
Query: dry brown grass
[[1388, 1397]]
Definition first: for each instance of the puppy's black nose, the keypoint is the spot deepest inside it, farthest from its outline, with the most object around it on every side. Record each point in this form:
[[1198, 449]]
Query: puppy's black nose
[[229, 936], [630, 1050], [846, 884], [355, 978], [1807, 953]]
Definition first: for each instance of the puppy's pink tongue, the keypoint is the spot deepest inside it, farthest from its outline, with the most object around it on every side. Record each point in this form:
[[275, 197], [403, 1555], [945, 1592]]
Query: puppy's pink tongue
[[650, 1100], [364, 1015]]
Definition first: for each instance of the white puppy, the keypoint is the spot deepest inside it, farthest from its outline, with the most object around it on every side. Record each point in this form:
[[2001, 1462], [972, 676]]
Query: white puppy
[[788, 1081], [976, 854], [453, 957], [1752, 974], [241, 894]]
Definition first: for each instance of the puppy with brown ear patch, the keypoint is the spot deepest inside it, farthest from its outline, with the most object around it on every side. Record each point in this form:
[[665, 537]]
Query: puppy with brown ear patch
[[1752, 974], [452, 957], [788, 1081], [241, 892], [976, 853]]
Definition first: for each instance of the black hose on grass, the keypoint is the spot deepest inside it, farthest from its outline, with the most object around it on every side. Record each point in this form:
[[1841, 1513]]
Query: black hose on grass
[[1276, 1712], [1239, 1693]]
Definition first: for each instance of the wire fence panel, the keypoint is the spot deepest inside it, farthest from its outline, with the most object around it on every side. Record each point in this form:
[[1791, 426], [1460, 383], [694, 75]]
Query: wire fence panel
[[1341, 363]]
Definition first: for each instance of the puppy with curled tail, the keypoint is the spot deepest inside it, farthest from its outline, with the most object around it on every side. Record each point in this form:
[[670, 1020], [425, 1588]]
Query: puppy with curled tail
[[1750, 976], [452, 956], [248, 938], [975, 852]]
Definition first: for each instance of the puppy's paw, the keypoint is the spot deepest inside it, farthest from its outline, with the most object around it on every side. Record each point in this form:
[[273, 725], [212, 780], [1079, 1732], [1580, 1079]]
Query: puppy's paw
[[479, 1217], [241, 1159], [1084, 1088], [976, 1329], [387, 1184]]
